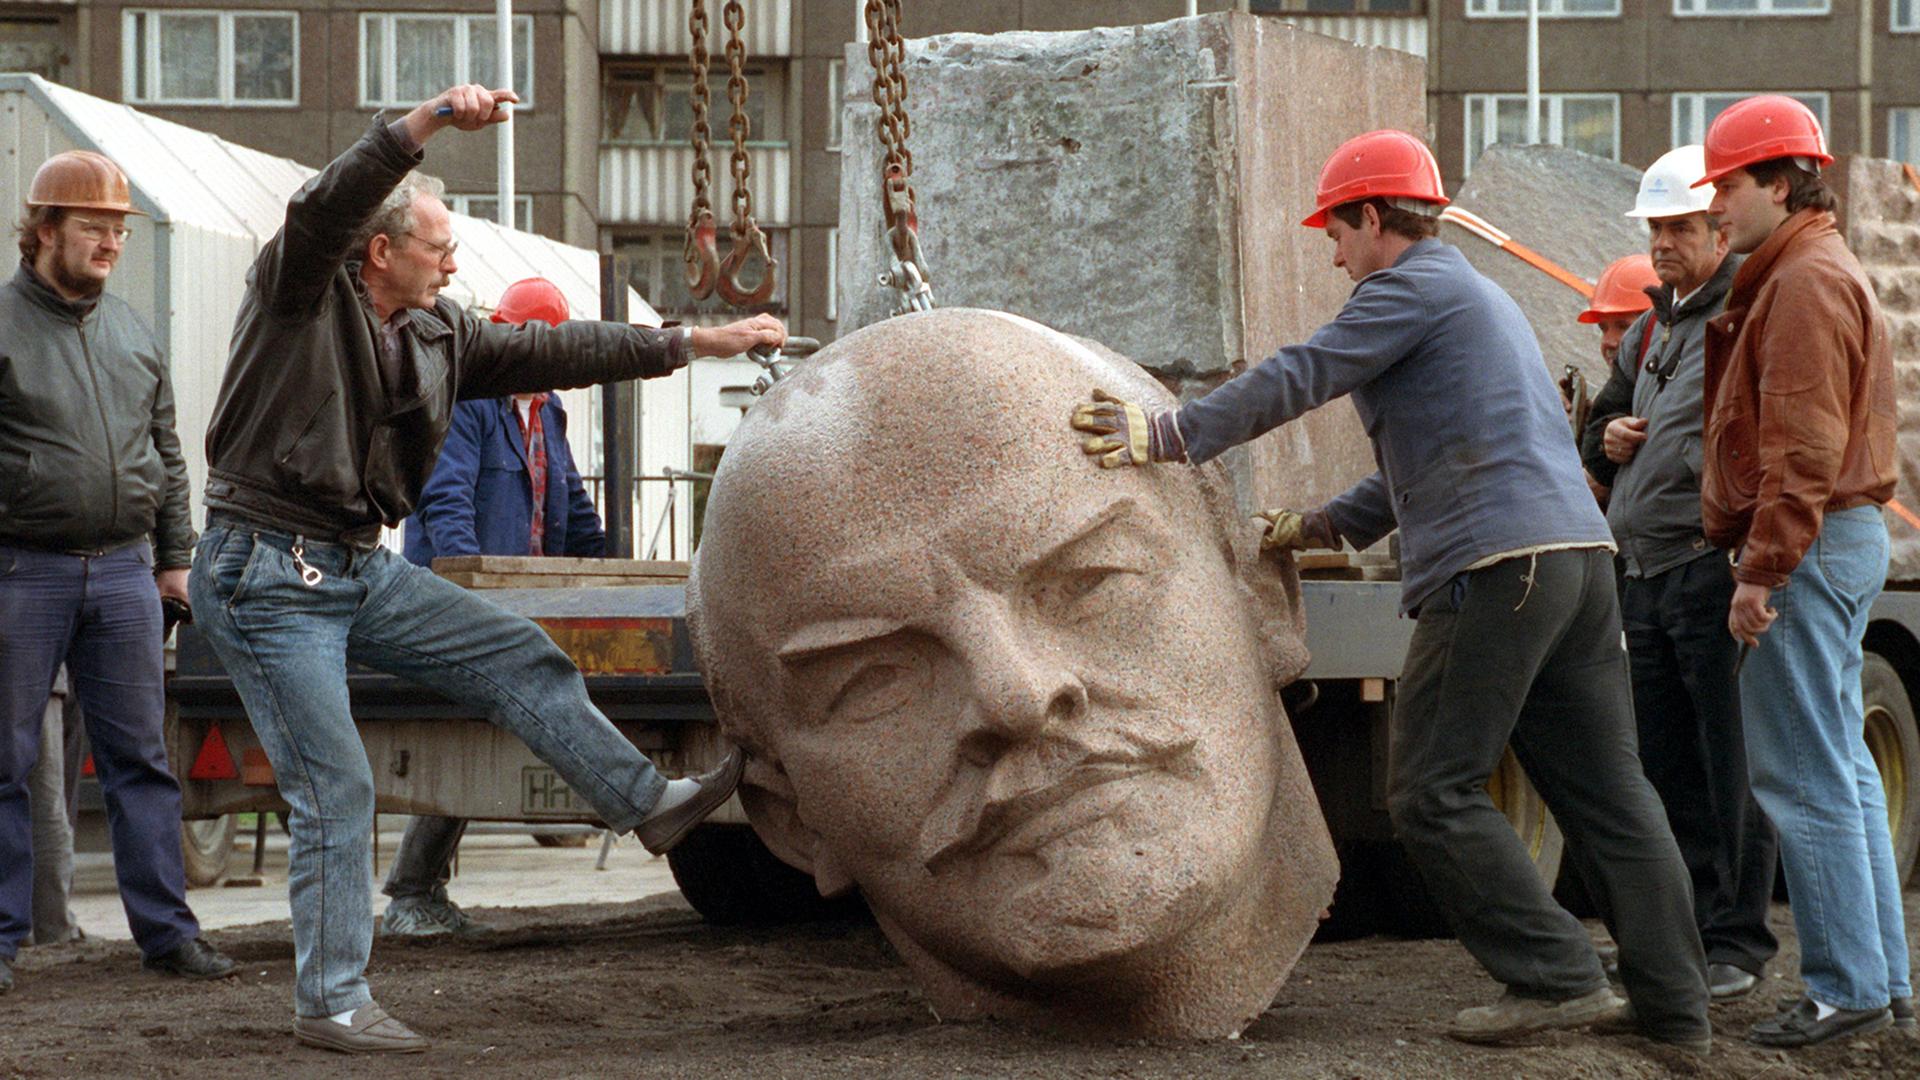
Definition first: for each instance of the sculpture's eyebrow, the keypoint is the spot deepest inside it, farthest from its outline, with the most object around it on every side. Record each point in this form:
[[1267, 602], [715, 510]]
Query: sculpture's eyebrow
[[816, 638], [1124, 510]]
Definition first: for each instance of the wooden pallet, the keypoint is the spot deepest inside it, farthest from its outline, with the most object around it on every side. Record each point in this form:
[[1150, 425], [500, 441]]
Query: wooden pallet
[[1346, 566], [526, 572]]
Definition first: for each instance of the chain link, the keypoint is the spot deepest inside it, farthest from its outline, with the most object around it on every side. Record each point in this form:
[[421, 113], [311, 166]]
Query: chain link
[[748, 240], [699, 253], [888, 54]]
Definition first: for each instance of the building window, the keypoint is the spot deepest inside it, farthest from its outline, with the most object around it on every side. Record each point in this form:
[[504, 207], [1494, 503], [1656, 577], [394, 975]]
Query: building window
[[1694, 113], [1751, 7], [1585, 122], [650, 104], [1906, 16], [488, 208], [1549, 9], [210, 57], [406, 59], [833, 275], [661, 277], [836, 100], [1903, 135], [1337, 7]]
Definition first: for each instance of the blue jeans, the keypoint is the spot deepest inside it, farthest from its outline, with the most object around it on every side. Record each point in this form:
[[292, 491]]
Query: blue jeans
[[286, 645], [1813, 774], [100, 615]]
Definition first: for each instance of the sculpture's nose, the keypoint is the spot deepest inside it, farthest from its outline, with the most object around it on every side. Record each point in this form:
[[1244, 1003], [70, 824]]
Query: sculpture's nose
[[1022, 686]]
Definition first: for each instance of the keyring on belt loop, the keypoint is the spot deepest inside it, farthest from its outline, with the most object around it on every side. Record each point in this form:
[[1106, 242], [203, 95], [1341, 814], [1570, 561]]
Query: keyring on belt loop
[[309, 576]]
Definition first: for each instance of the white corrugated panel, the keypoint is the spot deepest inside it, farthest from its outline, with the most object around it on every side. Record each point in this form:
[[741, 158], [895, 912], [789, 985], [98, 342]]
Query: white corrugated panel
[[654, 185], [659, 28], [213, 204], [1407, 33]]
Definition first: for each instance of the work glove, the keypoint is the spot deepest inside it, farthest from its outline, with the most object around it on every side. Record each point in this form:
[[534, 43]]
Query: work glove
[[1126, 434], [1292, 530]]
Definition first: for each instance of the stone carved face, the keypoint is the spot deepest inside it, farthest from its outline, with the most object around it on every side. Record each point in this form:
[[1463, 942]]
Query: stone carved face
[[1026, 705]]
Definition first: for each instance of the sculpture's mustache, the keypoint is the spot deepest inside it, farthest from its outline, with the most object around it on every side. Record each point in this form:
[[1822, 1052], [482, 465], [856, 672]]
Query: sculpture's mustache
[[980, 807]]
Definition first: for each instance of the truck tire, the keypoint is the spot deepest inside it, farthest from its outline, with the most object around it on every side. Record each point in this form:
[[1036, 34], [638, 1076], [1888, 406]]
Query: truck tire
[[205, 846], [1894, 740], [1405, 907], [731, 879]]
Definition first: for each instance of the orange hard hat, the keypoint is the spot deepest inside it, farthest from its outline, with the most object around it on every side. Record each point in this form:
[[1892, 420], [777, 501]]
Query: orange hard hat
[[532, 298], [1391, 164], [1622, 290], [1760, 129], [80, 180]]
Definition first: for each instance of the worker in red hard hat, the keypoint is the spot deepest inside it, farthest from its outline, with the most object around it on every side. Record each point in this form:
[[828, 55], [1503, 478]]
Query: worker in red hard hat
[[1507, 565], [1798, 460], [471, 505], [1619, 298]]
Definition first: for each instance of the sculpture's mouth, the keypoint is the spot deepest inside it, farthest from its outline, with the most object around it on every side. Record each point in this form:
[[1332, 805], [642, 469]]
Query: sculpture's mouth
[[1027, 820]]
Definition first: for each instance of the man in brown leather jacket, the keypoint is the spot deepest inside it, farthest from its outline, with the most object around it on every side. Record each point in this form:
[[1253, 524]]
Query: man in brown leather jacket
[[339, 391], [1798, 459]]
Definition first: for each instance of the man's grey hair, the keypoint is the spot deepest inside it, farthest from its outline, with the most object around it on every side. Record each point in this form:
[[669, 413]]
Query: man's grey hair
[[395, 215]]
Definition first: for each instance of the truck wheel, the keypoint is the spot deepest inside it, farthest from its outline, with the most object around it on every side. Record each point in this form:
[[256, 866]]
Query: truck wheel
[[731, 879], [1895, 743], [206, 845], [1410, 911], [561, 840]]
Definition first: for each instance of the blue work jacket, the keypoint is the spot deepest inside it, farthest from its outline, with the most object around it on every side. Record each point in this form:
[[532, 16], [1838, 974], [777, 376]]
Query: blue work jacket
[[1474, 455], [479, 500]]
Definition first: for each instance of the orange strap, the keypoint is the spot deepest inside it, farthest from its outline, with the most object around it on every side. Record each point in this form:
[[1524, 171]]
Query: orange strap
[[1913, 175], [1547, 266], [1906, 515]]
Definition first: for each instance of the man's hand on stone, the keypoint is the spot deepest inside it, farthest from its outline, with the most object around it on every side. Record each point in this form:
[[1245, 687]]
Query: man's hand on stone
[[469, 108], [738, 337], [1293, 530], [1623, 437], [1126, 434], [1749, 615], [172, 583]]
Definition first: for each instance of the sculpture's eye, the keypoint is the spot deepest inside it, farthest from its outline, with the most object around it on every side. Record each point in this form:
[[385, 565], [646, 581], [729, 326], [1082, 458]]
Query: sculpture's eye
[[879, 685], [1084, 592]]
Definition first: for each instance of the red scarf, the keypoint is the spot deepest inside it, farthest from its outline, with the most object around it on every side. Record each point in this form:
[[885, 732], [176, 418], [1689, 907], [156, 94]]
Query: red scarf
[[533, 433]]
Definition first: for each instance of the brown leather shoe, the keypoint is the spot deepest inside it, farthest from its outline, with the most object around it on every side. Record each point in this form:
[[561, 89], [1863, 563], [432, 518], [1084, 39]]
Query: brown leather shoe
[[371, 1031], [662, 831]]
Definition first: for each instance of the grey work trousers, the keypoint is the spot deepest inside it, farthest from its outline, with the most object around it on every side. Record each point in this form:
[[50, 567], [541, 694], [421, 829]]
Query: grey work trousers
[[424, 864], [1528, 653], [53, 793]]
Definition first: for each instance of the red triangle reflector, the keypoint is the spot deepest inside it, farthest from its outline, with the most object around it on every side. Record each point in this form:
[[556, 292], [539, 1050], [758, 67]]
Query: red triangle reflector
[[214, 761], [86, 767]]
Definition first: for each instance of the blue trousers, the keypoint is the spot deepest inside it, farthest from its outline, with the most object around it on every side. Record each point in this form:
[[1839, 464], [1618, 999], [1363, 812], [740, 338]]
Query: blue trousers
[[1813, 774], [286, 644], [100, 615]]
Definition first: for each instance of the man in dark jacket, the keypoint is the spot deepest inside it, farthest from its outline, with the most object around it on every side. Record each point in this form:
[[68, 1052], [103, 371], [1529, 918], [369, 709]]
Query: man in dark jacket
[[95, 528], [1798, 458], [505, 485], [1676, 586], [1506, 563], [345, 366]]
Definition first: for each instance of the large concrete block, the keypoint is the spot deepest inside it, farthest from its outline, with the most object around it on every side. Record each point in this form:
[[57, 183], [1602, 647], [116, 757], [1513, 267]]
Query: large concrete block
[[1568, 206], [1880, 217], [1141, 186]]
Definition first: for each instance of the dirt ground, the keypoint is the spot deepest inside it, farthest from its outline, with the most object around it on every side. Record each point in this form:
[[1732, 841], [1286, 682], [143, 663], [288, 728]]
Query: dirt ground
[[648, 989]]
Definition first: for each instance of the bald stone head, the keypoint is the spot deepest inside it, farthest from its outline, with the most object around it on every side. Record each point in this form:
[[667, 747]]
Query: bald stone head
[[1027, 705]]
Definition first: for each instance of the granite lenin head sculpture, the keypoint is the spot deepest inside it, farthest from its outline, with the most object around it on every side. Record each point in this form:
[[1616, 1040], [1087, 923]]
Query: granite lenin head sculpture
[[1027, 705]]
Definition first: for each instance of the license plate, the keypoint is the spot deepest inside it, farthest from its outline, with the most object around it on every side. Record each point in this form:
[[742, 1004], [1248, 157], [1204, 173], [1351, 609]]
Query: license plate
[[544, 794]]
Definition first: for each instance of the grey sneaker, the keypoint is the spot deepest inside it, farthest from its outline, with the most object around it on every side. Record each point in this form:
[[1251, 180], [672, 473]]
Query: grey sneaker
[[1513, 1016], [425, 916], [369, 1031]]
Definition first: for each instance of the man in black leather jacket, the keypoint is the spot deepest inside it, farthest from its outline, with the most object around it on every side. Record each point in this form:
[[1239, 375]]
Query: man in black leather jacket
[[344, 370]]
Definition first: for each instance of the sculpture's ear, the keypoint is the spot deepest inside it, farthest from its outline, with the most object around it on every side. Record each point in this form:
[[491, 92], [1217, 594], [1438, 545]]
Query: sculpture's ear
[[772, 806], [1273, 582]]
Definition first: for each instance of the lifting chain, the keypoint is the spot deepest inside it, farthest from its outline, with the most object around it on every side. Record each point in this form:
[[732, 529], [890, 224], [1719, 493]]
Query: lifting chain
[[887, 53], [700, 253], [748, 240]]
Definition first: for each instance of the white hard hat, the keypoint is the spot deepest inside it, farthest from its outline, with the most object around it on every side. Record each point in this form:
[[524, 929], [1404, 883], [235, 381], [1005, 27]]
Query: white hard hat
[[1666, 188]]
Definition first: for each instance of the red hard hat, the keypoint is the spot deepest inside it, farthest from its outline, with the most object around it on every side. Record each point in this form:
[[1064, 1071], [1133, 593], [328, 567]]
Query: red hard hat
[[1393, 164], [1622, 289], [1761, 129], [532, 298]]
